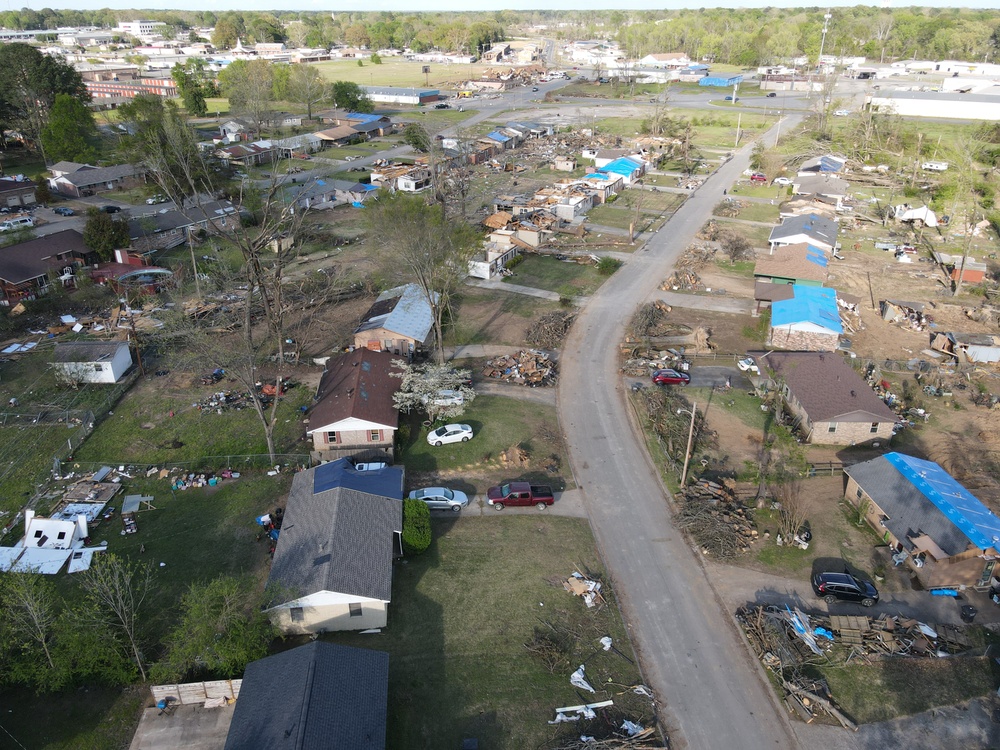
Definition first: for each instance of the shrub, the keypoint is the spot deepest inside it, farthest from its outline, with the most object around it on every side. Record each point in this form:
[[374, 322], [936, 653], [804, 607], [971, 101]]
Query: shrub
[[607, 266], [514, 262], [416, 527]]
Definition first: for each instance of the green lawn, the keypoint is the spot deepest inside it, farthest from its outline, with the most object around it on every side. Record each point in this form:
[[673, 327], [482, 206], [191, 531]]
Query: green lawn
[[498, 423], [758, 236], [618, 216], [458, 665], [395, 72], [568, 279], [666, 202]]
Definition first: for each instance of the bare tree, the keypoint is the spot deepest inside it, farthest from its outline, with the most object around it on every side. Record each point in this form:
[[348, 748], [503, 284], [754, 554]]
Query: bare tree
[[423, 386], [31, 608], [118, 589], [307, 86], [792, 514]]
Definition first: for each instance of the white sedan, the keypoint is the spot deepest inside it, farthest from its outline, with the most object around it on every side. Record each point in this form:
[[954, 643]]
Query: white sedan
[[783, 181], [450, 433], [441, 498]]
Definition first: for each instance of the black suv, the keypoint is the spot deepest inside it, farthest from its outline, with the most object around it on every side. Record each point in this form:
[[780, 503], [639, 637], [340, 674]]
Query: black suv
[[834, 587]]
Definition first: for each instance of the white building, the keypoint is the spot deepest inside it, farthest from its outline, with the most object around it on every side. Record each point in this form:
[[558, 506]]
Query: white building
[[983, 105], [141, 28], [92, 361]]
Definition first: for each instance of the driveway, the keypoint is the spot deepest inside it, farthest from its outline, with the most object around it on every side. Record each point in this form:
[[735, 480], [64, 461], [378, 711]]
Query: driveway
[[711, 692]]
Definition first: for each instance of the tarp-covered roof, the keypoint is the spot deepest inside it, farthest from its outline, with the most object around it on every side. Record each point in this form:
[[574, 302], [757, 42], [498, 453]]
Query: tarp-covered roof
[[809, 304]]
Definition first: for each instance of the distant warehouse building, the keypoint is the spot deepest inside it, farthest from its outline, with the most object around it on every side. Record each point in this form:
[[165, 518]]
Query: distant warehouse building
[[129, 89], [984, 105], [396, 95]]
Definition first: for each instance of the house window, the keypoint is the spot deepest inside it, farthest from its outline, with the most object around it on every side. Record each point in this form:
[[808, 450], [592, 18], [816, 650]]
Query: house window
[[38, 534], [98, 367], [375, 436], [874, 428], [61, 535], [355, 610], [332, 438], [859, 493], [297, 614], [832, 427]]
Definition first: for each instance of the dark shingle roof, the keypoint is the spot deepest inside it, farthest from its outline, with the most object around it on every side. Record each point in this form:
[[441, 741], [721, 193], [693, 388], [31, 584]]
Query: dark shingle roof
[[357, 385], [29, 260], [798, 261], [86, 177], [314, 697], [15, 186], [338, 539], [155, 223], [826, 386], [87, 351], [813, 226]]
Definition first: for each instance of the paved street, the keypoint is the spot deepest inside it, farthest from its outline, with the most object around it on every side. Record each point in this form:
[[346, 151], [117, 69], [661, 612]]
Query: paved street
[[711, 691]]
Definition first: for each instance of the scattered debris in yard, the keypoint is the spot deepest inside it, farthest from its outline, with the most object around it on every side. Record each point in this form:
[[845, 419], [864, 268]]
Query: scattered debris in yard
[[549, 330], [579, 585], [528, 367], [683, 280]]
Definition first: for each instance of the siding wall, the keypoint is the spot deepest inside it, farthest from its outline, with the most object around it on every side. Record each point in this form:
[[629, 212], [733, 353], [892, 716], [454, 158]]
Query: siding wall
[[330, 617], [849, 433]]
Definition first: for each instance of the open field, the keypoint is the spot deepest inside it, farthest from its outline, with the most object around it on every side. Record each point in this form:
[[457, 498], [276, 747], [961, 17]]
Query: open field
[[458, 666], [566, 278], [494, 317], [396, 72]]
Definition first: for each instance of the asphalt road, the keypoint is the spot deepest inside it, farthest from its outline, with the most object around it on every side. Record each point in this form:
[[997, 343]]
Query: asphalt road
[[711, 692]]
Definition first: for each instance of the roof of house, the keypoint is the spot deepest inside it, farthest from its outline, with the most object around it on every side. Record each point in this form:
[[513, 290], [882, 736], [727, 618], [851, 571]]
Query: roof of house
[[8, 185], [828, 389], [313, 697], [497, 136], [826, 163], [812, 225], [86, 177], [29, 260], [624, 165], [87, 351], [798, 261], [155, 223], [299, 141], [67, 166], [809, 304], [338, 133], [242, 150], [922, 498], [365, 117], [765, 291], [403, 310], [367, 127], [665, 56], [357, 385], [825, 184], [336, 537]]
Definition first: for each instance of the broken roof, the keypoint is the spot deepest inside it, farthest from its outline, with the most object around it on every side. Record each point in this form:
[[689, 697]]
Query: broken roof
[[821, 184], [811, 305], [155, 223], [800, 261], [812, 225], [410, 315], [313, 697], [826, 386], [357, 387]]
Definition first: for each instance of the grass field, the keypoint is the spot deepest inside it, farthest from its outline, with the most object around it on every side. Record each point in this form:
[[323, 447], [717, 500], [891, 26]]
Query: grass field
[[619, 217], [395, 72], [568, 279], [458, 665]]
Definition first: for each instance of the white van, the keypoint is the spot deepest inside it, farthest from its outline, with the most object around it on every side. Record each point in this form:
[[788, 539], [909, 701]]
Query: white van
[[18, 223]]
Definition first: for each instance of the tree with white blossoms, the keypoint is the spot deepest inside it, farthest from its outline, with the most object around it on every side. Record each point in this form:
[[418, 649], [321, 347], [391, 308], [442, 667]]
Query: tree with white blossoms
[[422, 386]]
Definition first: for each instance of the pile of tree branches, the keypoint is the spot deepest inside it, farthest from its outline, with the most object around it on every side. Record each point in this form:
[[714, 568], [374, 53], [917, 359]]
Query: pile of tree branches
[[549, 330], [720, 530]]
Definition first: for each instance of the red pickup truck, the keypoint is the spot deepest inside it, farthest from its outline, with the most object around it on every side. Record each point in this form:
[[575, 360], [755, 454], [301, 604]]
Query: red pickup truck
[[520, 493]]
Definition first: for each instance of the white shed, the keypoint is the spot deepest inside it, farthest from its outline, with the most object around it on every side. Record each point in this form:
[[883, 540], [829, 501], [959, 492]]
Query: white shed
[[92, 361]]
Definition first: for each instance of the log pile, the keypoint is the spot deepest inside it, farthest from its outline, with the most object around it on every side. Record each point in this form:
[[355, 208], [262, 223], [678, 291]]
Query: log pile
[[683, 279], [528, 367], [722, 526], [549, 331]]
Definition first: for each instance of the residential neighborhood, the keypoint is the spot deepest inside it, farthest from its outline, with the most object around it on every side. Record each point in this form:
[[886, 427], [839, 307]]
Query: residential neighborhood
[[501, 379]]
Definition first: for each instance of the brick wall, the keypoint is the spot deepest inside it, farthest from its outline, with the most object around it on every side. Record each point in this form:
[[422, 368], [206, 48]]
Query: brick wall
[[801, 341], [849, 433]]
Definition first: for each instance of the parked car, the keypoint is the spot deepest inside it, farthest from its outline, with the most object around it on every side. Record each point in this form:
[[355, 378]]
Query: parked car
[[842, 113], [156, 199], [670, 377], [441, 498], [63, 211], [18, 223], [442, 105], [520, 494], [834, 587], [758, 177], [747, 364], [783, 181], [370, 465], [534, 88], [450, 433], [732, 98], [445, 397], [109, 209], [772, 94]]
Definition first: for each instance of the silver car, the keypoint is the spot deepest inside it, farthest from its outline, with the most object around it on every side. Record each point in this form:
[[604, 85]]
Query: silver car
[[450, 433], [441, 498]]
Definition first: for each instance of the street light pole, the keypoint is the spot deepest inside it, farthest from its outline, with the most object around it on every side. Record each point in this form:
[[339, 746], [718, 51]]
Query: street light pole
[[687, 453], [822, 42]]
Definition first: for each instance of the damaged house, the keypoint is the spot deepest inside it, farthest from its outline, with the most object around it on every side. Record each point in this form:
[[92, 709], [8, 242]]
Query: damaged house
[[982, 348], [808, 321]]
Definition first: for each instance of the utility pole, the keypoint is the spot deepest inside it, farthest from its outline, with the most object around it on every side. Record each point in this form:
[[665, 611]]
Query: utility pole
[[194, 264], [687, 453], [822, 42]]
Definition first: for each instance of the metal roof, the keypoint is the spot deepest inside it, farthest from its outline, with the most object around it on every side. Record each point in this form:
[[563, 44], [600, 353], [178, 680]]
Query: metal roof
[[313, 697], [411, 316], [809, 304], [496, 135]]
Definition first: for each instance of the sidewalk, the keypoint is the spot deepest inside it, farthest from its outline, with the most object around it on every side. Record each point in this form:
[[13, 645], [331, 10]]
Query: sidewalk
[[515, 288]]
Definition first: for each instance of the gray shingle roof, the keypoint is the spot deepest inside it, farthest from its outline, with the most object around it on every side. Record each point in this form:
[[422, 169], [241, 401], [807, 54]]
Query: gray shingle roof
[[813, 226], [338, 540], [156, 223], [411, 316], [314, 697], [29, 260], [87, 351], [86, 177]]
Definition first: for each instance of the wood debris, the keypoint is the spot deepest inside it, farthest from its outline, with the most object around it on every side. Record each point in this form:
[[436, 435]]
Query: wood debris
[[720, 524], [528, 367], [549, 330]]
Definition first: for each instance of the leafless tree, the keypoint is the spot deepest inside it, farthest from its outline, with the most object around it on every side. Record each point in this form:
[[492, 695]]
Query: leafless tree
[[792, 514]]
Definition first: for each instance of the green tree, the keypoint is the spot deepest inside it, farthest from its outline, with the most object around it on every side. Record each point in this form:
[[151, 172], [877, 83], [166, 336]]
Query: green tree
[[228, 30], [42, 193], [191, 89], [416, 536], [104, 234], [222, 628], [249, 85], [280, 77], [70, 132], [30, 608], [376, 58], [29, 84], [307, 86], [416, 136], [350, 96]]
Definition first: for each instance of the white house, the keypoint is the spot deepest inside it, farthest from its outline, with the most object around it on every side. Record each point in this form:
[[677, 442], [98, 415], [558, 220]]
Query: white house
[[92, 361], [49, 542], [340, 534]]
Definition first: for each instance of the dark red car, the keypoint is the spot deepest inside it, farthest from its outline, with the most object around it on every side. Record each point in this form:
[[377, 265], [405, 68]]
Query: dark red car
[[671, 377]]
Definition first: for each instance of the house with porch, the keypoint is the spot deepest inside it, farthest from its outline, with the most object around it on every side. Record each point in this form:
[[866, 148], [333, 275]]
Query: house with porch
[[333, 558], [933, 524], [26, 267]]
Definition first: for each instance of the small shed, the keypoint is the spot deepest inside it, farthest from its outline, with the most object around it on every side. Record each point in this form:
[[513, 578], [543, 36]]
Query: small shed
[[92, 361]]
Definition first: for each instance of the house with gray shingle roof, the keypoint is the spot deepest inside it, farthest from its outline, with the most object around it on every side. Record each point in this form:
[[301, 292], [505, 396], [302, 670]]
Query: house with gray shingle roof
[[89, 180], [932, 522], [313, 697], [830, 402], [333, 558], [810, 228], [401, 321]]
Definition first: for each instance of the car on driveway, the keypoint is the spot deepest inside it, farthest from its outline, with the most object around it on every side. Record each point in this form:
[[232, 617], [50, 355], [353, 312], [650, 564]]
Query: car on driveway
[[441, 498], [670, 377], [758, 177], [783, 181], [450, 433], [63, 211], [109, 209], [844, 587], [748, 364]]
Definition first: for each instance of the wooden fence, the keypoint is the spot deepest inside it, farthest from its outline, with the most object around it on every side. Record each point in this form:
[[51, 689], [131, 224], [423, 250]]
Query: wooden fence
[[196, 693]]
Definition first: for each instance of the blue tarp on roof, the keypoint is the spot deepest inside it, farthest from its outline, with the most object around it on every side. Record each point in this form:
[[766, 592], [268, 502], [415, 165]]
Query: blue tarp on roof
[[831, 164], [497, 136], [817, 256], [811, 304], [623, 166], [958, 505], [387, 482], [362, 117], [716, 81]]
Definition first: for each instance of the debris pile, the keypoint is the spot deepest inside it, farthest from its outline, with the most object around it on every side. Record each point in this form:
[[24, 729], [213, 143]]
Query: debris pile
[[579, 585], [515, 456], [549, 331], [528, 367], [731, 207], [683, 280], [716, 519]]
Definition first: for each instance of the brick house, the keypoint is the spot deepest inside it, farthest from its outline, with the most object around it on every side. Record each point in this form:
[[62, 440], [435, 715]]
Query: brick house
[[830, 403], [931, 522], [354, 414], [88, 180], [15, 193]]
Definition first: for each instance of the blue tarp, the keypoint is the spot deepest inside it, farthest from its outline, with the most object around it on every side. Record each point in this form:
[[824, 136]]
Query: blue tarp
[[716, 81], [958, 505], [386, 482], [623, 166], [496, 135], [810, 304], [817, 256]]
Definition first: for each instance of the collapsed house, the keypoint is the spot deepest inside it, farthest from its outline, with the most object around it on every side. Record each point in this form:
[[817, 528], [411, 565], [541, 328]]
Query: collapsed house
[[981, 348]]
